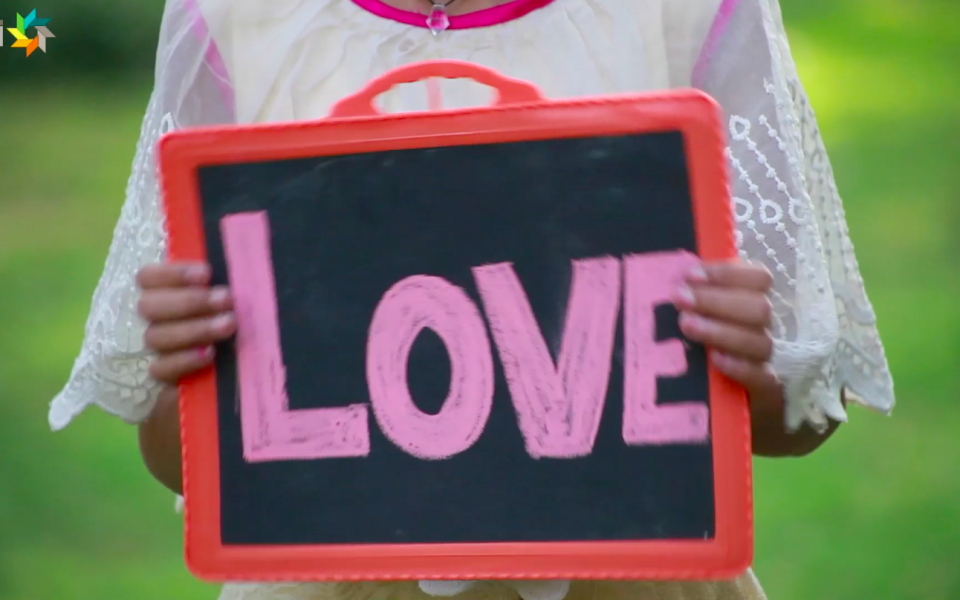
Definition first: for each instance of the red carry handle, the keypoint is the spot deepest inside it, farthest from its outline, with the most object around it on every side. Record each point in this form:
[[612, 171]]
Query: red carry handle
[[509, 90]]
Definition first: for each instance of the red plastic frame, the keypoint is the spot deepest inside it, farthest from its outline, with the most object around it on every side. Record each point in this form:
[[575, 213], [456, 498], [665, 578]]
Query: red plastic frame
[[518, 115]]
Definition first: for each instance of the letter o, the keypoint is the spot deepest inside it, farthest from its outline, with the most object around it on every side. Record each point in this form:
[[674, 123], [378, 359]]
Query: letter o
[[415, 303]]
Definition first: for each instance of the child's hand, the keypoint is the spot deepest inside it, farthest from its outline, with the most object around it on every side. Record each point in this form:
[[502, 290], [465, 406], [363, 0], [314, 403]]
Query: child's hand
[[185, 317], [725, 307]]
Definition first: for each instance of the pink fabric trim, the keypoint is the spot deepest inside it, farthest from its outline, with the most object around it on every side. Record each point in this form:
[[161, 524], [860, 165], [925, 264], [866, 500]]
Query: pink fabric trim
[[213, 56], [487, 17], [719, 27]]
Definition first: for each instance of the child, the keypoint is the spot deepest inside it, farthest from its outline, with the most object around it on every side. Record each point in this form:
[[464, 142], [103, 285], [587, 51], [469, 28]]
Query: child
[[790, 321]]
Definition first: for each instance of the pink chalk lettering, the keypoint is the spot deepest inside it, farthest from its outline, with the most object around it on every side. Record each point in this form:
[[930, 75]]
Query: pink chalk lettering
[[649, 280], [270, 430], [404, 311], [558, 407]]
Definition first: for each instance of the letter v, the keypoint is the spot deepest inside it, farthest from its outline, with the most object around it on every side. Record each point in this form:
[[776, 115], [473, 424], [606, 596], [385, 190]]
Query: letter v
[[558, 408]]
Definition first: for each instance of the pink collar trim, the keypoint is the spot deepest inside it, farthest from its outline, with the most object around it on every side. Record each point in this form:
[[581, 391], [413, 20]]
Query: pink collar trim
[[487, 17]]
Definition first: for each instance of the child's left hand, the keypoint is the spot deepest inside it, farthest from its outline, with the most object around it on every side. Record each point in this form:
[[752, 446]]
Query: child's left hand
[[724, 306]]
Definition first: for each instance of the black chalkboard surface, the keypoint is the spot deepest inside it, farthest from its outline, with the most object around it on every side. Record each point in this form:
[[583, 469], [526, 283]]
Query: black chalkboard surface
[[456, 354]]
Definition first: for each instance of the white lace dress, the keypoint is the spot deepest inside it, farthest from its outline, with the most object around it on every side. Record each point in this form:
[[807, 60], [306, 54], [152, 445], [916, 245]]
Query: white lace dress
[[223, 61]]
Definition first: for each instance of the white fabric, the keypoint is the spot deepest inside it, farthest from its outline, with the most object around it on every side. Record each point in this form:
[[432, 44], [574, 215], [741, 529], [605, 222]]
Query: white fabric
[[290, 59], [527, 590]]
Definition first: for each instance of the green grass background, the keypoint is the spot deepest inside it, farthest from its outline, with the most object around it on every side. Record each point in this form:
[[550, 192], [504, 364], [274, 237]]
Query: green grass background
[[874, 515]]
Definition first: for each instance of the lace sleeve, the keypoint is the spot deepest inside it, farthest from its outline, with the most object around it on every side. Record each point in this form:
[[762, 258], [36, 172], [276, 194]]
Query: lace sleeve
[[790, 218], [190, 88], [111, 370]]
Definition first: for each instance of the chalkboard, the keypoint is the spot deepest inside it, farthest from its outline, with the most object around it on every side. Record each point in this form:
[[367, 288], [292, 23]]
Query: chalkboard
[[458, 357]]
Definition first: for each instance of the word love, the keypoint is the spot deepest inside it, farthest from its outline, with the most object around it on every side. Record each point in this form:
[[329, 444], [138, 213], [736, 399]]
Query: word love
[[558, 406]]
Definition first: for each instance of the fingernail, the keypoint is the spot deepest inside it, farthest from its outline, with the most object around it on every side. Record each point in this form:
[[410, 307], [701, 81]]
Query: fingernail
[[722, 361], [222, 322], [205, 352], [697, 274], [196, 274], [219, 296], [690, 321], [684, 297]]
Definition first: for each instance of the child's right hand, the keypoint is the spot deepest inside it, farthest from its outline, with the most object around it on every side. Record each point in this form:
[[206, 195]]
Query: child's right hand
[[185, 316]]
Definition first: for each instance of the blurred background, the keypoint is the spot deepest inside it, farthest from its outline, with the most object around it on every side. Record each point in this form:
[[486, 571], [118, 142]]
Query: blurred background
[[875, 514]]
